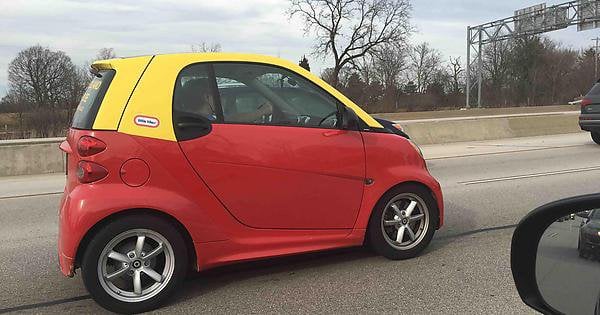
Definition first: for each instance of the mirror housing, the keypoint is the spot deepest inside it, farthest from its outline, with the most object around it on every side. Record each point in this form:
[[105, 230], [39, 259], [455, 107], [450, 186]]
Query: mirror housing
[[524, 247]]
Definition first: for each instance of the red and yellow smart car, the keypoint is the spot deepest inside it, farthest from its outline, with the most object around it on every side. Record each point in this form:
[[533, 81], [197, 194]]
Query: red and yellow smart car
[[191, 161]]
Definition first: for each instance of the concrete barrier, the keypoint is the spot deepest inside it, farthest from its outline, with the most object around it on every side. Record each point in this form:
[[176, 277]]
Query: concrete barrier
[[40, 156], [446, 130], [31, 156]]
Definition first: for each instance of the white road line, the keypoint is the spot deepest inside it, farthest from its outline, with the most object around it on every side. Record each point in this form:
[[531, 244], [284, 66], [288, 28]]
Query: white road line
[[499, 179], [31, 195], [528, 149]]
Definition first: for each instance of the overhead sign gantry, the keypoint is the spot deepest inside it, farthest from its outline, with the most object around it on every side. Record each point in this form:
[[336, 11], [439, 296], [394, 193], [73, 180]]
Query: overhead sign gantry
[[532, 20]]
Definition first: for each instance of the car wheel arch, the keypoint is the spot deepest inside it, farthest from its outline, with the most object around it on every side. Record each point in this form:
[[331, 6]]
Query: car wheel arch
[[89, 234]]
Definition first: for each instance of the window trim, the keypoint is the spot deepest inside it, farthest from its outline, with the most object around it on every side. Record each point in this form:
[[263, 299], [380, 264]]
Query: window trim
[[215, 92]]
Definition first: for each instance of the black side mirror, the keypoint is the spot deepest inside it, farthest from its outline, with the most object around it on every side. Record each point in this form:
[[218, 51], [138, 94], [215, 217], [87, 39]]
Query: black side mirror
[[555, 262], [349, 119], [190, 126]]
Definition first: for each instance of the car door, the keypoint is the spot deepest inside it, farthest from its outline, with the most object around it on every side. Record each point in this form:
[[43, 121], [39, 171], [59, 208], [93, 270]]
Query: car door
[[274, 160]]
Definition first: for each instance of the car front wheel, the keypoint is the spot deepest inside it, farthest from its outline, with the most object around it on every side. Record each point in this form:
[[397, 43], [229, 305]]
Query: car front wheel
[[134, 264], [403, 222]]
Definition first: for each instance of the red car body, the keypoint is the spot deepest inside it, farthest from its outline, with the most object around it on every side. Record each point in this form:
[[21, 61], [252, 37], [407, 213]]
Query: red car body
[[173, 188]]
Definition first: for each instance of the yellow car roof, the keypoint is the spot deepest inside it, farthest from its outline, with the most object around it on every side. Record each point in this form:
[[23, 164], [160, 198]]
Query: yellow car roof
[[151, 92]]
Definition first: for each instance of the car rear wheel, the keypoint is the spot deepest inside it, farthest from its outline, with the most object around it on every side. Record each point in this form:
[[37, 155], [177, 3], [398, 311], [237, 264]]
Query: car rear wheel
[[596, 137], [403, 222], [134, 264]]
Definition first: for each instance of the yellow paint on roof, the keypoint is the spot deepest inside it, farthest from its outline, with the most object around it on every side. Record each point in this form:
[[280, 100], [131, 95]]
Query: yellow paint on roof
[[153, 95]]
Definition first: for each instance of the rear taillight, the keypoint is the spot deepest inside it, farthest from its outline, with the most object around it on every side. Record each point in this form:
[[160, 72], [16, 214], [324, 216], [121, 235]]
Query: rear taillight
[[88, 146], [585, 102], [88, 172]]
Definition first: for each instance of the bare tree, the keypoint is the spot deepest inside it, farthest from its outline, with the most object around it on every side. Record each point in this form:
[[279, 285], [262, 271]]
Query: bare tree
[[425, 62], [456, 75], [45, 85], [204, 47], [41, 77], [351, 29], [106, 53], [496, 69], [389, 62], [342, 77]]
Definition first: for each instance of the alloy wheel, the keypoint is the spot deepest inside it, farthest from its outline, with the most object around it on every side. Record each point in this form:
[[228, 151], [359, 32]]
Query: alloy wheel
[[136, 265], [405, 221]]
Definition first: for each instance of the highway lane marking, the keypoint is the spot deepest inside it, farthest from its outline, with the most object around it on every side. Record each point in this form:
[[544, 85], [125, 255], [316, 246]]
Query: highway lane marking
[[500, 152], [532, 175], [31, 195]]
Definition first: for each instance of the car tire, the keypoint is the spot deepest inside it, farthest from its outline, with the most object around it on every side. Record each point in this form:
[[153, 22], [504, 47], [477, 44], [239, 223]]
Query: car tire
[[158, 266], [596, 137], [393, 231]]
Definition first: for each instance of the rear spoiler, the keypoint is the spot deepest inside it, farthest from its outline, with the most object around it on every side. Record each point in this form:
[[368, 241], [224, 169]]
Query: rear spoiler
[[100, 65]]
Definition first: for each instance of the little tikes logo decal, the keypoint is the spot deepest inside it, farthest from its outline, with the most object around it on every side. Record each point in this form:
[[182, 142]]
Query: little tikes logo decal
[[146, 121]]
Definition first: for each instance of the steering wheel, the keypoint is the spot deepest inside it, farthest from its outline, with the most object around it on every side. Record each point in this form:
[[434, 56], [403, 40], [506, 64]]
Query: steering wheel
[[331, 116]]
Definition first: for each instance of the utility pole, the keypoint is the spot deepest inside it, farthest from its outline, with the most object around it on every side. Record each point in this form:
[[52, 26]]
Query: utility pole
[[479, 67], [597, 39], [468, 79]]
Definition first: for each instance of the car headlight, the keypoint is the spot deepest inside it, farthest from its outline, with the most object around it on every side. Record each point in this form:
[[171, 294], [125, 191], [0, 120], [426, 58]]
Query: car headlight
[[398, 126]]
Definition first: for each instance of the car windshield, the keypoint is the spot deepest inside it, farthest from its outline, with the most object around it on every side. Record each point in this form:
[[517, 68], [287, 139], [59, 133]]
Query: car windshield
[[595, 214]]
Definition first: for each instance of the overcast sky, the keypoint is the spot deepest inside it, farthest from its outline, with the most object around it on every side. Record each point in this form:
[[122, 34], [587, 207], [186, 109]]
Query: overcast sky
[[81, 28]]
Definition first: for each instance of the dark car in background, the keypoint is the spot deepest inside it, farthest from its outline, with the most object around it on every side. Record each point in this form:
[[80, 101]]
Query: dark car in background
[[589, 235], [589, 119]]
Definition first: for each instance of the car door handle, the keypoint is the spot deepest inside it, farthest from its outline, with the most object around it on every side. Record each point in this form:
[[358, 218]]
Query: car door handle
[[332, 133], [192, 124]]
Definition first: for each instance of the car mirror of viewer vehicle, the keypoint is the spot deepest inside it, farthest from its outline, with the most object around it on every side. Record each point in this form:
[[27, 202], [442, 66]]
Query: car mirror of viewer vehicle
[[555, 257]]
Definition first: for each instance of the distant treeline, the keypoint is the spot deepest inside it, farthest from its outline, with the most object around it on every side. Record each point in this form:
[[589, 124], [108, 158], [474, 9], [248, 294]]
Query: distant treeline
[[529, 71]]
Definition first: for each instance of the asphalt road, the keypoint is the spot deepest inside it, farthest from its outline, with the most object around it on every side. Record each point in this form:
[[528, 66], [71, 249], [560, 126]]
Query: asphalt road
[[488, 187]]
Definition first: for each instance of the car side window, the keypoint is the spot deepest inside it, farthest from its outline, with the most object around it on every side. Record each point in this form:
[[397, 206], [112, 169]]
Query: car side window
[[262, 94], [194, 94]]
